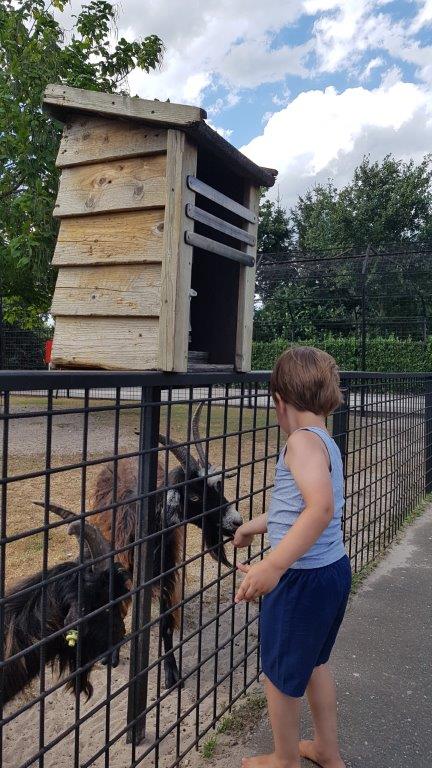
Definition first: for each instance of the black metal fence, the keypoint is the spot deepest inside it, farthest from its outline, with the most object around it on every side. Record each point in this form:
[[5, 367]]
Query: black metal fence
[[166, 510], [358, 293], [21, 349]]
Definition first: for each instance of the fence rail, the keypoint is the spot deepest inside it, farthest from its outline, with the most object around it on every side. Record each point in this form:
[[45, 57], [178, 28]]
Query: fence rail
[[177, 652]]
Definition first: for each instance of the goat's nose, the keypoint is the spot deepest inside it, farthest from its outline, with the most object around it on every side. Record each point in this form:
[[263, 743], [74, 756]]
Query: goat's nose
[[232, 518]]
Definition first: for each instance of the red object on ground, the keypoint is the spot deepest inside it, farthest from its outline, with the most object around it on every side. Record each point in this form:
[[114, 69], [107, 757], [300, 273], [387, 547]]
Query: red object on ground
[[47, 351]]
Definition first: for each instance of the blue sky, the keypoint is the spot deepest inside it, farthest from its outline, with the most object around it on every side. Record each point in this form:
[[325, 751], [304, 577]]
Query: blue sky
[[306, 86]]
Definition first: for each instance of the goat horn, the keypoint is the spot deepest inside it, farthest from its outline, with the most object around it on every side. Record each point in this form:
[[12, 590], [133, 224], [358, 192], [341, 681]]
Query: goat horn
[[181, 453], [197, 436], [65, 514], [96, 543]]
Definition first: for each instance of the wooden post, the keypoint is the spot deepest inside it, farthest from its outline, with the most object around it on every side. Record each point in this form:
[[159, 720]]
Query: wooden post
[[143, 562], [246, 299], [177, 262]]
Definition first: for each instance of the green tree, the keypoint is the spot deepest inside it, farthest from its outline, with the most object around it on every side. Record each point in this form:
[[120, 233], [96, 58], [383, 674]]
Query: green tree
[[275, 237], [386, 202], [275, 233], [34, 51]]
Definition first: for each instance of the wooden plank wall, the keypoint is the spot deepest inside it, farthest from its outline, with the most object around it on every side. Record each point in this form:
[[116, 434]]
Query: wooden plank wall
[[177, 262], [111, 205]]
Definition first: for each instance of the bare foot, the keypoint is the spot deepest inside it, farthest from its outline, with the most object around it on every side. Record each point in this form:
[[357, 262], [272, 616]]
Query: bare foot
[[267, 761], [309, 750]]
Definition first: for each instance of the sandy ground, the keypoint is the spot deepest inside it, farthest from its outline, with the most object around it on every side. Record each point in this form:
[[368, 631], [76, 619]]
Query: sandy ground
[[21, 735]]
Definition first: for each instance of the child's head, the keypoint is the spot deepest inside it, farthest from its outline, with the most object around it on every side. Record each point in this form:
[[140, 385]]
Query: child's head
[[307, 379]]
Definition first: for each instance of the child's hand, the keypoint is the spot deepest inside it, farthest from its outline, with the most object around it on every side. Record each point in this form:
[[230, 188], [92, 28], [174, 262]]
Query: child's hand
[[260, 579], [242, 538]]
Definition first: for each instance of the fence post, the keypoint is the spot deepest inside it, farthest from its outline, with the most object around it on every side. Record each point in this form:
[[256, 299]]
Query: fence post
[[143, 562], [340, 425], [428, 436], [2, 355]]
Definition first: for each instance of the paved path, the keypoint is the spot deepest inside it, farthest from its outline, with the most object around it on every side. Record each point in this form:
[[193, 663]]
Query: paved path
[[383, 664]]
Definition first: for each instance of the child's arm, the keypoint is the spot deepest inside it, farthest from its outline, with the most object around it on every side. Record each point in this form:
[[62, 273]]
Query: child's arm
[[309, 466], [245, 533]]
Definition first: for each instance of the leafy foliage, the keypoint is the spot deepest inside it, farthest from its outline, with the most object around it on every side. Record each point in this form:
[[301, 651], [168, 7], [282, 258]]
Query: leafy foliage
[[383, 354], [34, 51], [387, 202], [275, 236]]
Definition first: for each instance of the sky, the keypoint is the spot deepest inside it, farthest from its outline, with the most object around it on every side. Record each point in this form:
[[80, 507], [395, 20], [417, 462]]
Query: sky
[[304, 86]]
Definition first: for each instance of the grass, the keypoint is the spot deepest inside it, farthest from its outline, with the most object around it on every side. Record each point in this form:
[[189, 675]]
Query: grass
[[243, 716], [209, 747], [250, 707]]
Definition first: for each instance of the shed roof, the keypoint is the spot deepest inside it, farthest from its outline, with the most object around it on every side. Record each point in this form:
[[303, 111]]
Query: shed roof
[[61, 101]]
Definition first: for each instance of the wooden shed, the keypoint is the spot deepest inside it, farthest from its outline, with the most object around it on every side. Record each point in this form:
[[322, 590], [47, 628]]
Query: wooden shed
[[157, 240]]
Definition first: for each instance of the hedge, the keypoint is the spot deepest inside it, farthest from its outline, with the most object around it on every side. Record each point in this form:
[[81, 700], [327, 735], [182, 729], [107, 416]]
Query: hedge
[[382, 354]]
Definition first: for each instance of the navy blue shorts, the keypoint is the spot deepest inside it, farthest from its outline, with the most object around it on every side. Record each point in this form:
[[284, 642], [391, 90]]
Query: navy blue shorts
[[299, 622]]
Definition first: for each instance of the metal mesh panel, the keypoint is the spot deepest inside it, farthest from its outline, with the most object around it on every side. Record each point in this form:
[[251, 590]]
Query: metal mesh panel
[[160, 594]]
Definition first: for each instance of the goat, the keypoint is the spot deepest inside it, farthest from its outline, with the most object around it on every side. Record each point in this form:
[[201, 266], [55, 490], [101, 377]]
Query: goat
[[191, 493], [33, 612]]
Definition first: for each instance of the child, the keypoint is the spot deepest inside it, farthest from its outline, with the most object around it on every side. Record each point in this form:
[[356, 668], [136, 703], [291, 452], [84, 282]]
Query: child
[[306, 578]]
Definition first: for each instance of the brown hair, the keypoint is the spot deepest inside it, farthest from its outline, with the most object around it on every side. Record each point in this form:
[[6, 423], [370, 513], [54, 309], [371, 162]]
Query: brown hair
[[308, 379]]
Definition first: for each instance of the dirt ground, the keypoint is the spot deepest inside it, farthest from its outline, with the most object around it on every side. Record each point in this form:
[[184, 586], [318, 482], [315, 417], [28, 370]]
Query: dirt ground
[[27, 455]]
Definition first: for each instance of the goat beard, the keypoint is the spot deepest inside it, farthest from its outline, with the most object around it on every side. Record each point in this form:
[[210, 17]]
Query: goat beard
[[220, 555], [216, 548], [79, 684]]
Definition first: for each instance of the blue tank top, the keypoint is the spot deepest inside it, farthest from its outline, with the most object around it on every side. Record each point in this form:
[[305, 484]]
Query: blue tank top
[[287, 502]]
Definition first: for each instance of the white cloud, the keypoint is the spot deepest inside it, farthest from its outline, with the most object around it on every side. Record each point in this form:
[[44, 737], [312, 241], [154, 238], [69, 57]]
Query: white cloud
[[323, 134], [283, 99], [219, 40], [338, 36], [390, 77], [354, 27], [225, 132], [266, 117], [424, 16], [253, 62], [231, 42], [375, 63]]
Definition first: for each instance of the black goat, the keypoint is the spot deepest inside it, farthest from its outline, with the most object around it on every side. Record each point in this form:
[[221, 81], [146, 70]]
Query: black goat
[[188, 495], [27, 603]]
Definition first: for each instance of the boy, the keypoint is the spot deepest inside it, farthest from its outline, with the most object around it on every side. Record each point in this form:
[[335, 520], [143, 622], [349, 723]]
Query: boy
[[306, 578]]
